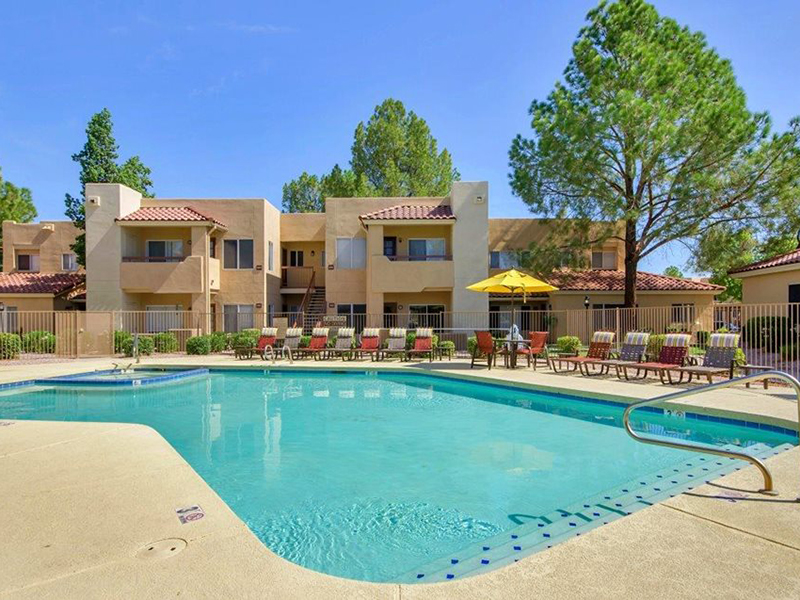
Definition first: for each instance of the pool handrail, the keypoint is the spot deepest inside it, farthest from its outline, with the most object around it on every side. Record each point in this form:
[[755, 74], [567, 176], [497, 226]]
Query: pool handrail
[[768, 485]]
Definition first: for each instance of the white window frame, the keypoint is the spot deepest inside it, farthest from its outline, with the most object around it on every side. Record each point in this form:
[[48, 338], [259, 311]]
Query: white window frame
[[608, 260], [34, 262], [238, 254], [73, 262], [351, 264], [427, 256]]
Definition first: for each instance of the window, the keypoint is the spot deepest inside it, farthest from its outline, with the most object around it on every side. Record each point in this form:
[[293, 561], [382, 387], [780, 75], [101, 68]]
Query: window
[[604, 260], [351, 253], [9, 322], [427, 249], [794, 292], [164, 250], [604, 316], [427, 315], [503, 260], [356, 314], [270, 259], [682, 314], [163, 317], [295, 258], [238, 254], [28, 262], [212, 249], [390, 246], [69, 262], [238, 316]]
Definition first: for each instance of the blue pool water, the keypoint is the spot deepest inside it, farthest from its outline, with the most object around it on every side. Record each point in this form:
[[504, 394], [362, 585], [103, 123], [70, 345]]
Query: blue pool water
[[368, 475]]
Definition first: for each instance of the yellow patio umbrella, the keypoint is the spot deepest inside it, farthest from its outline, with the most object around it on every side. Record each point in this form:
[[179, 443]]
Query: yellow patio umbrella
[[512, 282]]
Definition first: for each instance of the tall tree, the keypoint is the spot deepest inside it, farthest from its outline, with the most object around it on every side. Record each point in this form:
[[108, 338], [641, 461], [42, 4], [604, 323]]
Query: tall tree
[[650, 133], [98, 161], [16, 204], [673, 271], [393, 154]]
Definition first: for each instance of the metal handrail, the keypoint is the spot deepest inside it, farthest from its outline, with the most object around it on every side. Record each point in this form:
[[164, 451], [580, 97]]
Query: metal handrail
[[626, 419]]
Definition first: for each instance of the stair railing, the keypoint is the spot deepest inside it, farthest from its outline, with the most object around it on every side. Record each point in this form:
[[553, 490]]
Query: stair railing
[[626, 420], [307, 296]]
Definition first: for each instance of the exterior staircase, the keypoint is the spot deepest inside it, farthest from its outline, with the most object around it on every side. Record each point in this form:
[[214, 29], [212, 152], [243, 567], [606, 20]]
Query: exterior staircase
[[316, 308]]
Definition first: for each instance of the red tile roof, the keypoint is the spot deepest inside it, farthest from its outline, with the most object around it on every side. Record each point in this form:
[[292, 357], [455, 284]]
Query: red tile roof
[[614, 281], [776, 261], [39, 283], [441, 212], [168, 213]]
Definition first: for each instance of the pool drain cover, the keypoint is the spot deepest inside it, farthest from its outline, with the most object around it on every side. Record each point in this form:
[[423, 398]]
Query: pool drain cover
[[161, 549]]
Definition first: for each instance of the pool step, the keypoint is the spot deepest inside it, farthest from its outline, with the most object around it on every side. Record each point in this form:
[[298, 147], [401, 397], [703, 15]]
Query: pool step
[[544, 531]]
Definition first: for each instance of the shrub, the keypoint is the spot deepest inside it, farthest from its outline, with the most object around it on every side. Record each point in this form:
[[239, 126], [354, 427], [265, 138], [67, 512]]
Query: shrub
[[766, 332], [739, 358], [568, 343], [246, 337], [655, 344], [448, 345], [119, 339], [412, 337], [146, 346], [42, 342], [305, 340], [199, 344], [165, 342], [675, 328], [702, 338], [219, 341], [10, 345], [472, 343]]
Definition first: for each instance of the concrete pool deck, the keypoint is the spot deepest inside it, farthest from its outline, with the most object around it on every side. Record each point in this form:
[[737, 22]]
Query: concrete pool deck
[[81, 503]]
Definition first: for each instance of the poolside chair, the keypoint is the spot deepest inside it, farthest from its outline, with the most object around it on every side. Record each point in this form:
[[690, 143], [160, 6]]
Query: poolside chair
[[720, 358], [345, 339], [266, 343], [370, 343], [633, 351], [291, 343], [396, 344], [485, 346], [599, 349], [536, 348], [672, 355], [423, 344], [318, 346]]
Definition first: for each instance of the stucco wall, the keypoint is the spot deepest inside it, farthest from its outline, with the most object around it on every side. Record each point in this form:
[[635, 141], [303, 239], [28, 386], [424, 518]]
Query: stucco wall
[[470, 201], [769, 288], [28, 302], [50, 239]]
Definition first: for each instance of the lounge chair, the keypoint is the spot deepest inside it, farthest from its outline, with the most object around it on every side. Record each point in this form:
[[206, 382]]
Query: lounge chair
[[720, 358], [485, 346], [536, 348], [599, 349], [266, 343], [396, 344], [318, 346], [672, 355], [291, 343], [345, 339], [423, 344], [633, 351], [370, 343]]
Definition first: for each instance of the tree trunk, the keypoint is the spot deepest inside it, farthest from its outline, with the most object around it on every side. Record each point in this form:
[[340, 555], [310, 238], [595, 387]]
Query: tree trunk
[[631, 263]]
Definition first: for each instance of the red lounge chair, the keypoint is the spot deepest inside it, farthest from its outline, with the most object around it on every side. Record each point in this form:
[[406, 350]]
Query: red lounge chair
[[671, 358], [536, 348], [370, 343], [266, 343], [423, 344], [318, 346], [484, 346], [599, 348]]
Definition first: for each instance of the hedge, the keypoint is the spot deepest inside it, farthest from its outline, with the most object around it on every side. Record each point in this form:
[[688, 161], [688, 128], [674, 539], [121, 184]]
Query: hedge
[[199, 344], [146, 346], [119, 339], [568, 344], [10, 345], [220, 341], [246, 337], [165, 342], [42, 342]]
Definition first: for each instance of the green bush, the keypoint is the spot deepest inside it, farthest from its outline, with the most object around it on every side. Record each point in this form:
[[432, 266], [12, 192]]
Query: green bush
[[767, 332], [675, 328], [305, 340], [146, 346], [165, 342], [568, 343], [42, 342], [412, 337], [472, 343], [10, 345], [219, 341], [119, 339], [448, 345], [199, 344], [655, 344], [246, 337], [739, 358], [702, 338]]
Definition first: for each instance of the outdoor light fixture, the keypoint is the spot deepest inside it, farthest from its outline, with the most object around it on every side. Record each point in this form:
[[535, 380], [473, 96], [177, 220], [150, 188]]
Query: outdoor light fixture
[[313, 253], [2, 306], [586, 302]]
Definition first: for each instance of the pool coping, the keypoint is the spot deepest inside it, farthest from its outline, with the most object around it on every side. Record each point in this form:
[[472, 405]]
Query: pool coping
[[497, 581]]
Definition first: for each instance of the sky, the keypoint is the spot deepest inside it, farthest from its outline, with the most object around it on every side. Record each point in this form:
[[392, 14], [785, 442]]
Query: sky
[[234, 99]]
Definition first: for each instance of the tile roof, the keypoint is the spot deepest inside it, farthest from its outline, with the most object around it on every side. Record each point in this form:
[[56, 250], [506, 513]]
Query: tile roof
[[39, 283], [441, 212], [614, 281], [776, 261], [168, 213]]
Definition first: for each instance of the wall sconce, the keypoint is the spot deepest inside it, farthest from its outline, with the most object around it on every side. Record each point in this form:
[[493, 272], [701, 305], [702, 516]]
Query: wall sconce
[[259, 305], [313, 253], [399, 240], [399, 307], [331, 305], [586, 302]]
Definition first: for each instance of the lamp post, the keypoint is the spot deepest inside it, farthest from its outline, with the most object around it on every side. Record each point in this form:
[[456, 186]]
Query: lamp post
[[2, 317], [586, 303]]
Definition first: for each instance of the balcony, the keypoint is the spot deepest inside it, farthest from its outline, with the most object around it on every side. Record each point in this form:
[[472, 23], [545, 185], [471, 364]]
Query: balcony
[[411, 273], [295, 280], [162, 275]]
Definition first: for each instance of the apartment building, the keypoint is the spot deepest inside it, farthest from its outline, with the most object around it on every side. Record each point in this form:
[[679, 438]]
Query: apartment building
[[40, 271], [775, 280], [239, 260]]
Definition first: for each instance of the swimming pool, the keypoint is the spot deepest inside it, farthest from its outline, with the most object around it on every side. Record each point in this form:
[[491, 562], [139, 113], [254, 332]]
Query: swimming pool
[[394, 476]]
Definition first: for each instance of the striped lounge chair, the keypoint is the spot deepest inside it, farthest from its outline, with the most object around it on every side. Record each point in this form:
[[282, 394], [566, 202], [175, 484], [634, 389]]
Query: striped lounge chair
[[423, 344], [370, 343], [720, 358], [632, 352], [318, 346], [396, 344], [672, 356], [345, 340], [266, 342], [291, 343], [599, 349]]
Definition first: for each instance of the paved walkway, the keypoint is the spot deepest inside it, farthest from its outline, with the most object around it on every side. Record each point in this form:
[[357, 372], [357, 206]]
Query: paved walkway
[[82, 503]]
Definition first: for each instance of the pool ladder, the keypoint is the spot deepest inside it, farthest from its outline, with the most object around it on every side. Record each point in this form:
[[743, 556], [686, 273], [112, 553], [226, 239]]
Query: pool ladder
[[768, 486]]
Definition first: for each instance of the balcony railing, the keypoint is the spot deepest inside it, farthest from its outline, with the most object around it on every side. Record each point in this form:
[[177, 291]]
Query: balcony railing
[[153, 259], [419, 258], [296, 277]]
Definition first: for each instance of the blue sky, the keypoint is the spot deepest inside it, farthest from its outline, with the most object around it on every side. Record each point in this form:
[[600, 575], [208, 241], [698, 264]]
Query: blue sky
[[234, 99]]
